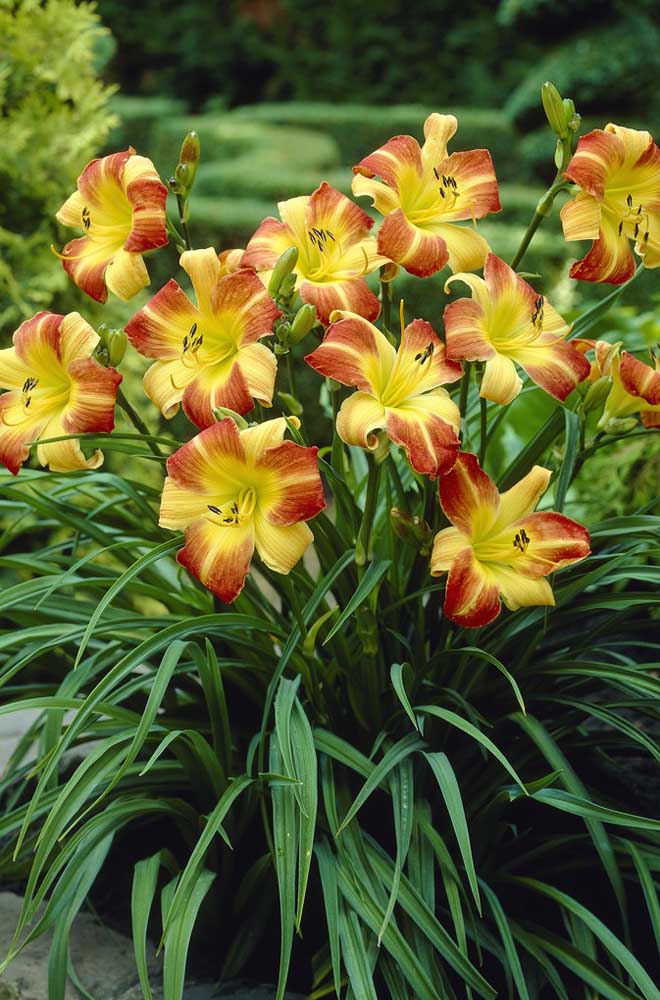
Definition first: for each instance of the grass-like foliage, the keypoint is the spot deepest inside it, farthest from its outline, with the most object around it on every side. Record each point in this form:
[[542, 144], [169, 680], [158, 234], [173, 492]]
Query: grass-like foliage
[[330, 782]]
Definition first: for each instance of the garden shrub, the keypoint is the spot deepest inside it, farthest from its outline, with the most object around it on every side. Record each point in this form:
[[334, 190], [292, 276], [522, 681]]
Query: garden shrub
[[55, 117]]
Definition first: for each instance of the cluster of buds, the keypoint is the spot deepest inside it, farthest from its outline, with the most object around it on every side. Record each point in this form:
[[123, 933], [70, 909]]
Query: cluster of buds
[[111, 347], [182, 181], [290, 329]]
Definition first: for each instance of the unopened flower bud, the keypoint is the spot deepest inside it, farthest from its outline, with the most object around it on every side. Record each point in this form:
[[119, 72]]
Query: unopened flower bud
[[190, 150], [412, 529], [596, 394], [554, 109], [617, 425], [117, 342], [220, 412], [282, 269], [304, 321]]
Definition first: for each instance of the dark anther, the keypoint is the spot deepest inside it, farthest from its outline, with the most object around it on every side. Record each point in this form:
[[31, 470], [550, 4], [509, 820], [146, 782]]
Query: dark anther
[[620, 228], [635, 230], [28, 401], [537, 315], [521, 541], [646, 238], [629, 201], [437, 175], [442, 192], [425, 354], [214, 509]]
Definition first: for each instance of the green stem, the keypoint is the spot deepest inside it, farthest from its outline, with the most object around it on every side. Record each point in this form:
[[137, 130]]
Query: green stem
[[337, 453], [395, 479], [181, 205], [465, 385], [363, 549], [137, 422], [291, 375], [545, 204], [483, 439]]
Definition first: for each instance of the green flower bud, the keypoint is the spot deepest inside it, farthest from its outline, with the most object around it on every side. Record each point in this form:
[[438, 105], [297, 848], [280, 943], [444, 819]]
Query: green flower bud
[[220, 412], [304, 321], [554, 109], [596, 394], [413, 530], [183, 175], [291, 403], [190, 150], [617, 425], [282, 269], [117, 342]]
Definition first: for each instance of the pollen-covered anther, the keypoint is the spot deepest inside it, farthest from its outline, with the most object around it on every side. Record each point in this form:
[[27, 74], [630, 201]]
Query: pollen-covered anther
[[538, 313], [521, 541]]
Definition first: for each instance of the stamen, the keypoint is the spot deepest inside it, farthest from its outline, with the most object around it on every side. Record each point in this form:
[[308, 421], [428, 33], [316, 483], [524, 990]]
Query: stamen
[[426, 353], [538, 313], [86, 218], [402, 319], [521, 541]]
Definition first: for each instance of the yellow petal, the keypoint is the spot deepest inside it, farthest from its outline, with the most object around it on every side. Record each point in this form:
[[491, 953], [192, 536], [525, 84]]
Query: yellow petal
[[78, 338], [522, 498], [518, 591], [13, 371], [180, 507], [70, 213], [501, 382], [281, 546], [360, 415], [259, 367], [467, 248], [446, 546], [204, 269], [165, 382], [385, 199], [126, 274], [257, 439]]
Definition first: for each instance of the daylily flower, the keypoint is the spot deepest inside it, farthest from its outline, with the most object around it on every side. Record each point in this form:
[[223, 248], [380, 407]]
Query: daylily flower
[[399, 391], [497, 548], [506, 323], [635, 386], [423, 193], [120, 205], [335, 251], [618, 170], [55, 388], [208, 354], [233, 491]]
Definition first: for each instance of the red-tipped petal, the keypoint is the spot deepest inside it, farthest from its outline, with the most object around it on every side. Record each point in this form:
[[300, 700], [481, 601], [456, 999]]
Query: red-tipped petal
[[420, 252], [471, 596], [355, 353], [468, 496], [218, 556], [352, 295], [297, 490], [430, 442], [399, 157]]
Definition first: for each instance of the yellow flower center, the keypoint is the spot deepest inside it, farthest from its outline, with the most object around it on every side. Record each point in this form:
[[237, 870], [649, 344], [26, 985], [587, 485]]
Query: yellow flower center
[[236, 511]]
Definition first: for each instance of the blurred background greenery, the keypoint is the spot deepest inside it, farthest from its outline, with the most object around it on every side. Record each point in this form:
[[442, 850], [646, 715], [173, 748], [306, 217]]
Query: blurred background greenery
[[283, 95]]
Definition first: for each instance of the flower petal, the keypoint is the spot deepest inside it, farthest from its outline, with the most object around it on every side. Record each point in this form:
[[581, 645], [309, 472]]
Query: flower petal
[[447, 545], [13, 370], [164, 384], [179, 507], [281, 546], [474, 174], [438, 130], [212, 462], [469, 497], [16, 431], [354, 352], [267, 245], [360, 415], [610, 258], [580, 217], [91, 406], [471, 595], [242, 308], [520, 591], [66, 456], [85, 262], [501, 382], [639, 379], [522, 498], [467, 249], [329, 209], [77, 338], [204, 270], [421, 363], [258, 366], [353, 295], [268, 434], [126, 274], [419, 251], [100, 185], [159, 328], [598, 154], [384, 199], [550, 541], [465, 331], [147, 196], [219, 556], [297, 493], [70, 214], [398, 162], [557, 366], [38, 343], [430, 442], [216, 385]]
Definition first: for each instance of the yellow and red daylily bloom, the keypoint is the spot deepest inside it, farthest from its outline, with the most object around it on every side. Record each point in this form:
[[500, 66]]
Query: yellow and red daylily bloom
[[335, 251], [120, 206], [233, 491], [208, 354], [399, 391], [498, 548], [55, 388], [506, 323], [618, 171], [635, 386], [423, 192]]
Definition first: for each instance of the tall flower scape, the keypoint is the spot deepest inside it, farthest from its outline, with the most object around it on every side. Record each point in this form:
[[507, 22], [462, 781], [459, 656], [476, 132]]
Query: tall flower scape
[[401, 559]]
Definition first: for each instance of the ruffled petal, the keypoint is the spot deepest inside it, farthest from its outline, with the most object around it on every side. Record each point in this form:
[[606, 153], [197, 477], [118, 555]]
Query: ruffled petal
[[419, 251], [100, 185], [471, 595], [147, 196], [126, 274], [38, 344], [639, 379], [352, 295], [477, 191], [242, 308], [219, 556], [354, 352], [297, 491], [85, 262], [77, 338], [447, 545], [267, 245], [164, 384], [268, 434], [330, 211], [429, 441], [469, 497], [359, 417], [384, 199], [597, 155], [66, 456], [281, 546], [466, 332], [580, 217], [70, 214], [158, 330], [501, 382]]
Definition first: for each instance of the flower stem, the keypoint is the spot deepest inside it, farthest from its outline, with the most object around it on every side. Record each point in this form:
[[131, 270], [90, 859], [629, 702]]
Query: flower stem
[[291, 375], [483, 439], [465, 385], [181, 205], [137, 422], [546, 202], [363, 549]]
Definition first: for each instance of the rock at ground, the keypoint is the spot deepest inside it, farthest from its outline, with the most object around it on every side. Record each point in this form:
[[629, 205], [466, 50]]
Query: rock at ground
[[103, 960]]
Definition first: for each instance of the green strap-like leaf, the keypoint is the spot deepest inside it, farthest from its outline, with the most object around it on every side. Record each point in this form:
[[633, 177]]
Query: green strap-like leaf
[[375, 573]]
